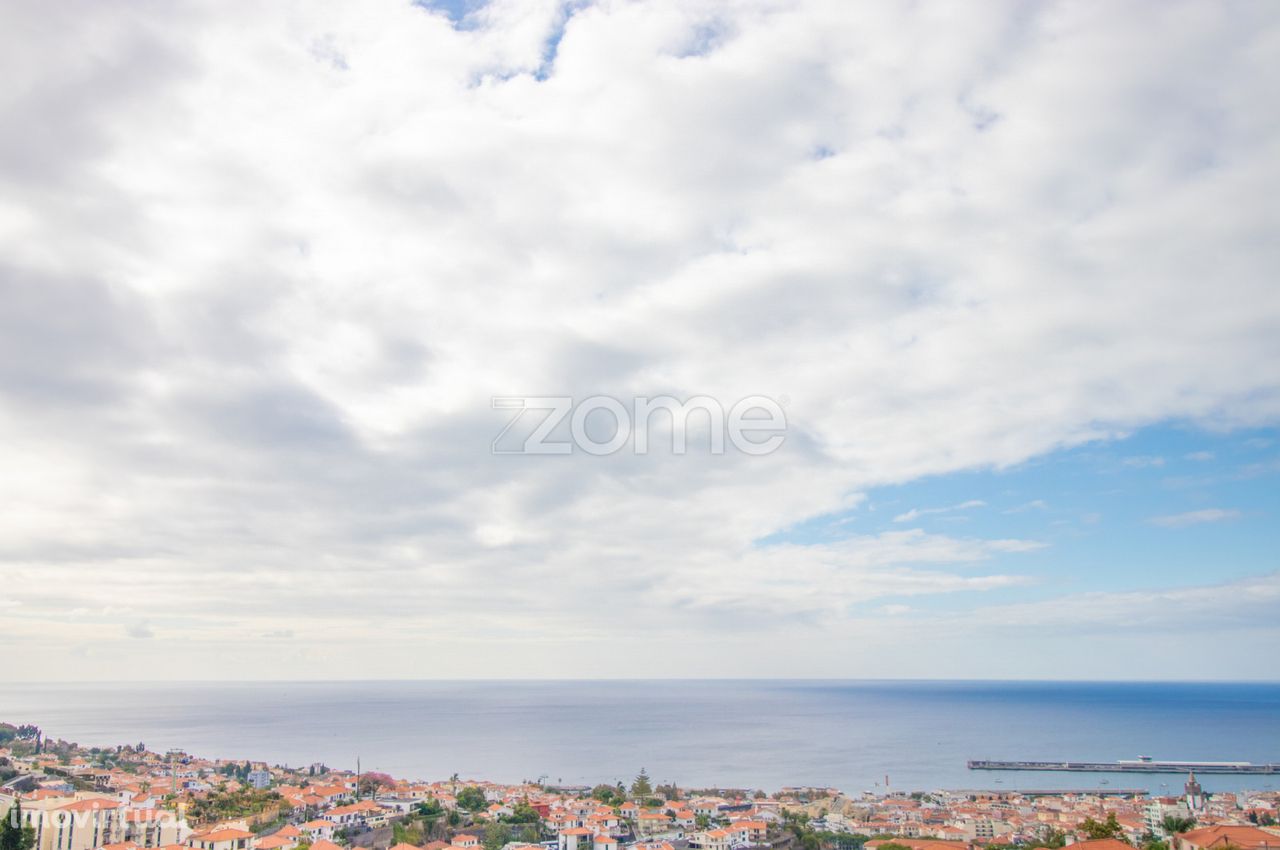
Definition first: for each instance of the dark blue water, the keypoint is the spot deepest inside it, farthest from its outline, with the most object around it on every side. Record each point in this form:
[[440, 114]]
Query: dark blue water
[[849, 734]]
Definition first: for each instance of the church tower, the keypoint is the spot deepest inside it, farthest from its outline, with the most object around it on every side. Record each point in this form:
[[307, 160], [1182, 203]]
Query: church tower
[[1195, 797]]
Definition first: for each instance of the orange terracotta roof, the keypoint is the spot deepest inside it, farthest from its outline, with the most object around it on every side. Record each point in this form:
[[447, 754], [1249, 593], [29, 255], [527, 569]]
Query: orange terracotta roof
[[228, 834]]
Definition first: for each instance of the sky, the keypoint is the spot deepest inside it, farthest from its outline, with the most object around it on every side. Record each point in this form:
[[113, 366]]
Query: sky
[[1009, 271]]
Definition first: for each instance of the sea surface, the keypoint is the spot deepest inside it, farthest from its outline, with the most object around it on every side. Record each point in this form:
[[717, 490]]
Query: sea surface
[[853, 735]]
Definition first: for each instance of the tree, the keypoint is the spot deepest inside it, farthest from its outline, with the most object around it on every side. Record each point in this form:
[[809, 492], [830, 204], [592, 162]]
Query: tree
[[371, 783], [1050, 838], [472, 799], [496, 835], [641, 787], [430, 809], [1109, 828], [409, 833], [1172, 824], [522, 812], [14, 835]]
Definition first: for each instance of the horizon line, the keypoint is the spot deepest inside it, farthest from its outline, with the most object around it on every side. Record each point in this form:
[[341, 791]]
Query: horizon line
[[556, 679]]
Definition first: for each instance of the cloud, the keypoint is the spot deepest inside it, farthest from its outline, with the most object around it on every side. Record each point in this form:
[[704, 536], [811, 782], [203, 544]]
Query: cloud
[[1033, 505], [1194, 517], [1199, 456], [261, 285], [915, 513], [141, 631], [1242, 604], [1144, 462]]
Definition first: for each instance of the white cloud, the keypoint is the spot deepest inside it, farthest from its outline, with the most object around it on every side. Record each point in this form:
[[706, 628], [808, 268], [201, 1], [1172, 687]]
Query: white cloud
[[1033, 505], [916, 513], [1194, 517], [1245, 603], [260, 284], [141, 631]]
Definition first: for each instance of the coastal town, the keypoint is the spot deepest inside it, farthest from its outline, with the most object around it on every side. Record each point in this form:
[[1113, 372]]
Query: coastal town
[[57, 795]]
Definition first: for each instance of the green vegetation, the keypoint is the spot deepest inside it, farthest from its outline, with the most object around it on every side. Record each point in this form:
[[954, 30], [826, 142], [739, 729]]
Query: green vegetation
[[1050, 838], [407, 832], [1172, 824], [1109, 828], [807, 838], [430, 810], [641, 787], [496, 835], [610, 795], [14, 835], [371, 783], [426, 822], [24, 740], [472, 799], [224, 804], [523, 813]]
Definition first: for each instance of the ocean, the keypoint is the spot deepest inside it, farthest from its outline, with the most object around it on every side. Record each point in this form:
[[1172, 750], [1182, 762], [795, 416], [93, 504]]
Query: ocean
[[853, 735]]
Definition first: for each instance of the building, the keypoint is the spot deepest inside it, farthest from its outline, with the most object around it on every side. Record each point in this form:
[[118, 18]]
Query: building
[[1241, 837], [80, 821], [1195, 797], [227, 838]]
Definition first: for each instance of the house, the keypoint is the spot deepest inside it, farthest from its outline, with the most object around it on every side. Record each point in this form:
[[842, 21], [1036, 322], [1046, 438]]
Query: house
[[153, 828], [226, 838], [750, 831], [1242, 837], [920, 844], [275, 841], [651, 823], [713, 839], [364, 813], [1102, 844], [82, 824], [683, 817], [575, 837], [318, 829]]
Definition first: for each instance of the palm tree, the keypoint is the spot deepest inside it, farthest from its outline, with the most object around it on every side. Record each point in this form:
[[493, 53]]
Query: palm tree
[[1173, 824]]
